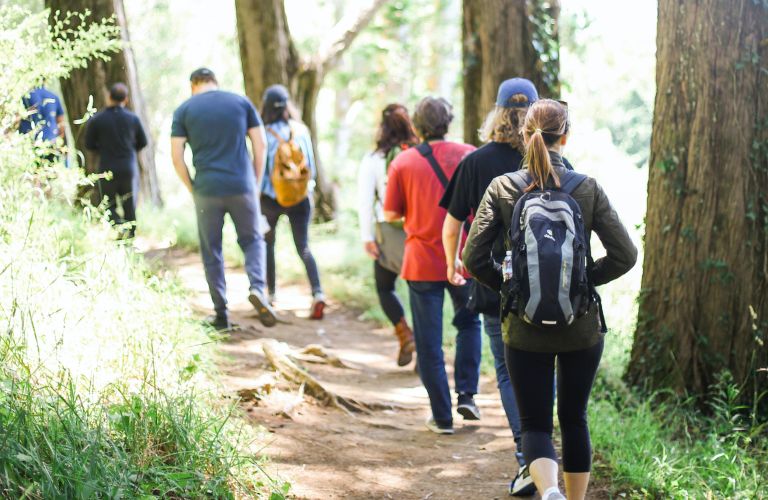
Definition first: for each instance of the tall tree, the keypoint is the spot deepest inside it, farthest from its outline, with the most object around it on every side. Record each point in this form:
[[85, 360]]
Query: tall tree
[[704, 298], [504, 39], [269, 56], [95, 80]]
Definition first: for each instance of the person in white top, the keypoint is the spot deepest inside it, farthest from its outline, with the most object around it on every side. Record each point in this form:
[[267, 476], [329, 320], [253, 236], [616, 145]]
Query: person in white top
[[382, 241]]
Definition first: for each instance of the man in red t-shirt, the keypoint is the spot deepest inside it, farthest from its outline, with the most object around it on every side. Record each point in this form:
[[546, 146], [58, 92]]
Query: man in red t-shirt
[[416, 182]]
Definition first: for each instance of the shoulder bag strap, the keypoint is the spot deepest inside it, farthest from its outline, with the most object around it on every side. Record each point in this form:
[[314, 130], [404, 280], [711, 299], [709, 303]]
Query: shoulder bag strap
[[426, 151]]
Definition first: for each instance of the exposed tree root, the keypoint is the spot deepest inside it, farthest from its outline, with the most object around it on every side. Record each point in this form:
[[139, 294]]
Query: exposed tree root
[[315, 353], [294, 372]]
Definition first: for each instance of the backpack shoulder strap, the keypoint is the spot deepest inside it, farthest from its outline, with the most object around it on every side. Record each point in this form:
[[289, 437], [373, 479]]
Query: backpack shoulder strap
[[274, 134], [570, 181], [521, 179], [426, 151]]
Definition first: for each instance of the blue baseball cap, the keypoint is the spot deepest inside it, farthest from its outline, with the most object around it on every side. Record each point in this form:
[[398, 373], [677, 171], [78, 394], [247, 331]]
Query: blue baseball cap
[[276, 96], [514, 86]]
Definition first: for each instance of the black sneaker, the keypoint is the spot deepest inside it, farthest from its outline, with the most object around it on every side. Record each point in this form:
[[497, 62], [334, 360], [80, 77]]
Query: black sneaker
[[218, 322], [267, 315], [467, 407], [522, 485]]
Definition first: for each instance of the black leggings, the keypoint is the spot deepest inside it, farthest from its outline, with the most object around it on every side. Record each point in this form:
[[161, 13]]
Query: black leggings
[[532, 376], [299, 217], [385, 288]]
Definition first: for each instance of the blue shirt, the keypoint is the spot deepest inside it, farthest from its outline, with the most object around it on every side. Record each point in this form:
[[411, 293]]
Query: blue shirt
[[303, 140], [46, 108], [215, 124]]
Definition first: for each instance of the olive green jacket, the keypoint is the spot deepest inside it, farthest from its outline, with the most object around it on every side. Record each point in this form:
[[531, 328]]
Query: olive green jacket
[[494, 217]]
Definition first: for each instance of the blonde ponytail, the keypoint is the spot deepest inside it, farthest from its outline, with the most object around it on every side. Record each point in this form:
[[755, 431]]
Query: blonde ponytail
[[545, 124]]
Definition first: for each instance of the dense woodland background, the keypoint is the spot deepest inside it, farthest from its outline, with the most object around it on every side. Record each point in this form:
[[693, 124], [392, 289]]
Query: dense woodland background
[[669, 104]]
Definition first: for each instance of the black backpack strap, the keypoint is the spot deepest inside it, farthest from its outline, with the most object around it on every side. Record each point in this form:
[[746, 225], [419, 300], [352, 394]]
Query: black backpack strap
[[426, 151], [593, 290], [570, 181]]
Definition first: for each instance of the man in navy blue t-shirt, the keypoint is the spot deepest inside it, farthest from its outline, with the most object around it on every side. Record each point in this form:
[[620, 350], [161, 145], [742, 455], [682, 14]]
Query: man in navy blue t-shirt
[[116, 134], [215, 124]]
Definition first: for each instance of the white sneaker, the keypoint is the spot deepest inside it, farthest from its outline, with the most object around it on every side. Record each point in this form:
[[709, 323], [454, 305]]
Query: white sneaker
[[432, 426], [522, 485]]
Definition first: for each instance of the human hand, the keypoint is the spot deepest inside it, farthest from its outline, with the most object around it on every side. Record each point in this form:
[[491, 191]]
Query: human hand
[[455, 277], [372, 249]]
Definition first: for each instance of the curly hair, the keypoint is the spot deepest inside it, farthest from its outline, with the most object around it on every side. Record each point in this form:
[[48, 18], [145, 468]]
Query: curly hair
[[503, 124]]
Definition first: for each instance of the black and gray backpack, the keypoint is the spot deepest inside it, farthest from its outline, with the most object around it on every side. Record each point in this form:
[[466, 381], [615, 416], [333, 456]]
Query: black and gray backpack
[[550, 285]]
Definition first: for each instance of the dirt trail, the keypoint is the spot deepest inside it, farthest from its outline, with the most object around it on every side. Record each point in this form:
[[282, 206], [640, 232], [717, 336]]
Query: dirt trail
[[326, 453]]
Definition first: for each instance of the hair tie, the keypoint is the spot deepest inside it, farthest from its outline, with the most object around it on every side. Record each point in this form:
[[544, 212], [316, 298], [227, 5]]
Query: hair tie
[[537, 130]]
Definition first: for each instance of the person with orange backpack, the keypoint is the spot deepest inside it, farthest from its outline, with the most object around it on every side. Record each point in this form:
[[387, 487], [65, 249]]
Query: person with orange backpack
[[384, 242], [287, 185]]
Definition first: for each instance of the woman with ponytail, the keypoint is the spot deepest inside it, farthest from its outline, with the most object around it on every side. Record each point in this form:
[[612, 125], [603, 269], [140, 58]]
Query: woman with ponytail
[[532, 352]]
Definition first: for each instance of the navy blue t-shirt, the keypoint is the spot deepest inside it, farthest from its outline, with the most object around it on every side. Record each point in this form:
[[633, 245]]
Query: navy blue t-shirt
[[215, 124], [116, 133]]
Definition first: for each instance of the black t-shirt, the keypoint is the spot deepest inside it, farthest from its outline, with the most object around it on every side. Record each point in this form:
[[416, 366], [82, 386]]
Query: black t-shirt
[[474, 174], [117, 135]]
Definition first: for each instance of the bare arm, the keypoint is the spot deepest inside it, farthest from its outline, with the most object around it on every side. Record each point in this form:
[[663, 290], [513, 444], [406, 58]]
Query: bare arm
[[177, 155], [391, 216], [61, 128], [451, 231], [258, 145]]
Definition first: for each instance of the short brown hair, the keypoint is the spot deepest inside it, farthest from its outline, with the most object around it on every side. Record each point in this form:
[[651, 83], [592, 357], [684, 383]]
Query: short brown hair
[[432, 117]]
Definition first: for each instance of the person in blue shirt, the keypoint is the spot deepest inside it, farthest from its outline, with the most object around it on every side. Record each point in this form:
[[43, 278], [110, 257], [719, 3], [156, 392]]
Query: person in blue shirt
[[46, 116], [281, 119], [116, 134], [215, 124]]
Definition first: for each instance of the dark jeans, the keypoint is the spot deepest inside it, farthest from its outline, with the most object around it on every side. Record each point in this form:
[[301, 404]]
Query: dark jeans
[[120, 190], [298, 216], [385, 288], [492, 326], [244, 211], [532, 376], [427, 309]]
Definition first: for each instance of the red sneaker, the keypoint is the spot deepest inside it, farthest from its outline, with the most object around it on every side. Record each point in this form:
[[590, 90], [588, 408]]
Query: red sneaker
[[317, 311]]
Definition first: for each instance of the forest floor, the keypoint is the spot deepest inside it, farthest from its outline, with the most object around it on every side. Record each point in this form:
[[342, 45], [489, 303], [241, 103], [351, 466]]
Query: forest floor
[[329, 453]]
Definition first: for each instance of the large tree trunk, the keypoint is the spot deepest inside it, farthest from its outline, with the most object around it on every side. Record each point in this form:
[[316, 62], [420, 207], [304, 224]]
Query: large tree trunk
[[704, 299], [95, 80], [269, 56], [498, 43]]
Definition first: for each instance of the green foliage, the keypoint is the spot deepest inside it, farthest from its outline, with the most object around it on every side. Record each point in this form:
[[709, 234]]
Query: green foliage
[[107, 388], [668, 448], [542, 14]]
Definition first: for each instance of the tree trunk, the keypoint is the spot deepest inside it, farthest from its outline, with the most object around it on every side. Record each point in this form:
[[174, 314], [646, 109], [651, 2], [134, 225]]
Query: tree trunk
[[504, 39], [269, 56], [95, 80], [704, 298]]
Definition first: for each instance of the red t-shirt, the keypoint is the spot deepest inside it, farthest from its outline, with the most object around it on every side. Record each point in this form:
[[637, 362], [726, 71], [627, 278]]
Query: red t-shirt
[[414, 191]]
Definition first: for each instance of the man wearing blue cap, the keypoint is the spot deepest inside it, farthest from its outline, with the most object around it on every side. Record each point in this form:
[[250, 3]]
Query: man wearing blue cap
[[502, 153], [215, 124]]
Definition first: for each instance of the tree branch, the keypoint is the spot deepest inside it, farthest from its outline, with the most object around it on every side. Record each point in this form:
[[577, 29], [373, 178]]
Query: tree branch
[[341, 36]]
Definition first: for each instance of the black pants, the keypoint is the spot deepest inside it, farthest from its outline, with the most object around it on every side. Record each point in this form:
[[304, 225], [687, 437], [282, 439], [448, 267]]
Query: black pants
[[385, 288], [532, 376], [299, 216], [120, 190]]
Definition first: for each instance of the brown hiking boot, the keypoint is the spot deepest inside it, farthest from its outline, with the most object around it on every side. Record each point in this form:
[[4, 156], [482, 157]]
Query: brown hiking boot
[[407, 345]]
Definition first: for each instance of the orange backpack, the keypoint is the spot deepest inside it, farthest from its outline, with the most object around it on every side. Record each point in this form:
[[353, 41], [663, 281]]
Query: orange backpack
[[290, 172]]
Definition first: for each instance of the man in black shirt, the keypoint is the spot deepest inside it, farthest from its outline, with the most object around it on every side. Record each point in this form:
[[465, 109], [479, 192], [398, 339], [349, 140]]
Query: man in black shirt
[[116, 134], [502, 153]]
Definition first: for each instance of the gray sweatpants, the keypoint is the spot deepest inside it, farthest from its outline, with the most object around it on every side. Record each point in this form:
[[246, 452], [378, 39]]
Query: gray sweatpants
[[245, 212]]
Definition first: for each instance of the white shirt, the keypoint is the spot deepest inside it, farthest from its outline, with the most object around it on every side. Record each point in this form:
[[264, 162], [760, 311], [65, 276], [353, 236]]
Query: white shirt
[[371, 189]]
